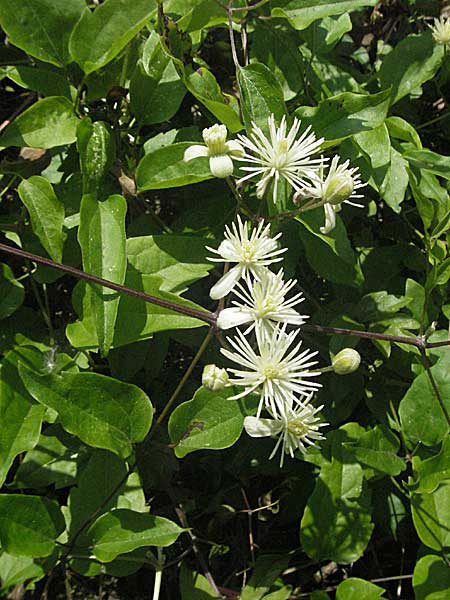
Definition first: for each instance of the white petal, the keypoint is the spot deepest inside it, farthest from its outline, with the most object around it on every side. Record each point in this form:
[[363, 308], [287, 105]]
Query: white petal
[[330, 219], [235, 148], [262, 427], [226, 283], [221, 166], [232, 317], [195, 151]]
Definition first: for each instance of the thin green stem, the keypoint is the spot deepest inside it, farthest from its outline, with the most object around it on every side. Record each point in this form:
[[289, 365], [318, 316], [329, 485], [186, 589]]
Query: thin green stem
[[158, 575], [426, 364], [42, 308]]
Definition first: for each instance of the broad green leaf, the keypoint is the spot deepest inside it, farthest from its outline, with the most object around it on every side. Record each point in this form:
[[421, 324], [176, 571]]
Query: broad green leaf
[[354, 588], [47, 81], [15, 570], [345, 115], [136, 319], [178, 259], [433, 471], [336, 524], [11, 292], [99, 36], [331, 255], [46, 214], [209, 421], [165, 168], [378, 305], [54, 460], [402, 130], [103, 412], [194, 586], [97, 152], [301, 13], [20, 415], [122, 530], [431, 161], [378, 449], [103, 246], [29, 525], [266, 570], [41, 27], [156, 89], [204, 87], [420, 414], [431, 578], [48, 123], [430, 513], [413, 61], [261, 95]]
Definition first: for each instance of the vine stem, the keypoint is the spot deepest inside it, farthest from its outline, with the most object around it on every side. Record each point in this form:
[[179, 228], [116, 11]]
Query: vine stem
[[205, 316], [420, 342], [158, 575]]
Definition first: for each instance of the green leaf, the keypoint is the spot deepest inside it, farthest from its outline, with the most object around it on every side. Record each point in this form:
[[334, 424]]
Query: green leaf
[[54, 460], [431, 161], [420, 414], [103, 246], [41, 27], [11, 292], [412, 62], [261, 95], [433, 471], [301, 13], [122, 530], [99, 36], [97, 152], [46, 214], [209, 421], [336, 524], [164, 168], [331, 255], [204, 87], [266, 570], [345, 115], [29, 525], [47, 81], [431, 578], [103, 412], [156, 89], [136, 319], [15, 570], [48, 123], [356, 589], [178, 259], [194, 586], [430, 516], [21, 416], [378, 449]]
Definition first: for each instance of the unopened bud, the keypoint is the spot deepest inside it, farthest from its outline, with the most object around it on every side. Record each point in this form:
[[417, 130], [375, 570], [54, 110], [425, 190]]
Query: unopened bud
[[214, 378], [215, 138], [346, 361], [339, 188]]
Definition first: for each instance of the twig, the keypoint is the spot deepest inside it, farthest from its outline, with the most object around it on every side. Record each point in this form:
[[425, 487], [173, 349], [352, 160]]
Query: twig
[[250, 525], [205, 316], [28, 100], [230, 30]]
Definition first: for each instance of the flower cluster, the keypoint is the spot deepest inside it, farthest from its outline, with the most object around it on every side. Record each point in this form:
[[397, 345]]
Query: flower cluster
[[269, 359], [441, 31], [282, 154]]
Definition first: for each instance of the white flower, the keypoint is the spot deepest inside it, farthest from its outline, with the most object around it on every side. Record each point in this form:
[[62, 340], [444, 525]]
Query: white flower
[[214, 378], [331, 191], [441, 31], [263, 305], [298, 428], [277, 372], [217, 149], [280, 156], [251, 253]]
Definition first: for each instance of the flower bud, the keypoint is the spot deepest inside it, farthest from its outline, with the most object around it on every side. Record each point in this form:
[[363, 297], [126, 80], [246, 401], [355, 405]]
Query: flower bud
[[214, 378], [215, 138], [339, 188], [346, 361]]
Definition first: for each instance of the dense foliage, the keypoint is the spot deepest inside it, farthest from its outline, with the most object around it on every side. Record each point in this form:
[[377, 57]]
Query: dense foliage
[[120, 471]]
